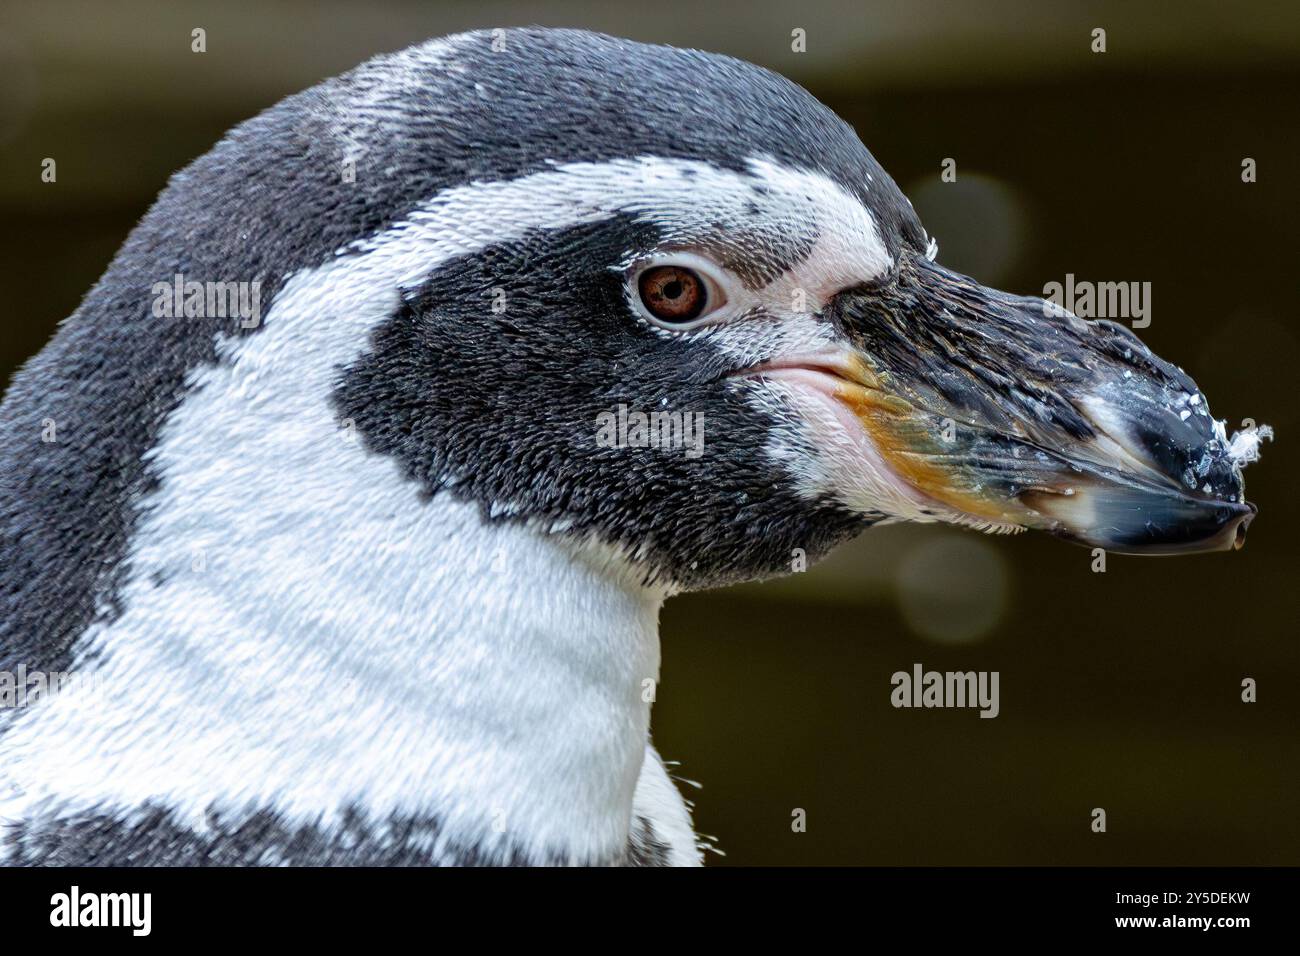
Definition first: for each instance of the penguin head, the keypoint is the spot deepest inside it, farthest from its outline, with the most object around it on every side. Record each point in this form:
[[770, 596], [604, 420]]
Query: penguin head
[[695, 319], [666, 301]]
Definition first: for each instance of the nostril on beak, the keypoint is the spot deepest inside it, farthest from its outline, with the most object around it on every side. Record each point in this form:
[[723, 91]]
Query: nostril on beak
[[1243, 523]]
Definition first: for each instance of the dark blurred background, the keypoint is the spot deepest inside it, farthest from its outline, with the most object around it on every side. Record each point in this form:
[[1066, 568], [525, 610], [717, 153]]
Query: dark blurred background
[[1118, 690]]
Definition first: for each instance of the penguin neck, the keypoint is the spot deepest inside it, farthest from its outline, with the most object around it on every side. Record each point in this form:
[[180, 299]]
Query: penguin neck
[[411, 663]]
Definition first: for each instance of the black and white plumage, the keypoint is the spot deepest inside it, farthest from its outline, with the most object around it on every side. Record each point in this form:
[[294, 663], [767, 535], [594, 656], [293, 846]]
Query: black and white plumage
[[358, 584]]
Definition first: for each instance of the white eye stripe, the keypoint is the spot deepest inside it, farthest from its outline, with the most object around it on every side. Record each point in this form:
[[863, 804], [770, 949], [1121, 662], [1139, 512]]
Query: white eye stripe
[[771, 220], [827, 236]]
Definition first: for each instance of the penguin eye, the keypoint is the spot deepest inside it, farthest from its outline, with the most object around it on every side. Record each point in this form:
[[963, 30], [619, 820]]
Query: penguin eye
[[674, 294]]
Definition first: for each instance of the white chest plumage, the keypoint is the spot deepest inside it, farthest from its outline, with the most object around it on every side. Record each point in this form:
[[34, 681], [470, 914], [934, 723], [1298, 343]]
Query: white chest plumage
[[410, 661]]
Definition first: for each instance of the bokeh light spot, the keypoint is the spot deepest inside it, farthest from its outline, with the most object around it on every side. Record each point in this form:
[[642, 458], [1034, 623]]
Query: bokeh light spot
[[952, 589]]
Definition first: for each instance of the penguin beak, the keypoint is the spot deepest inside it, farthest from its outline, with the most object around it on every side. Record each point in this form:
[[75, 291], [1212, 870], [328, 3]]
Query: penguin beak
[[1007, 412]]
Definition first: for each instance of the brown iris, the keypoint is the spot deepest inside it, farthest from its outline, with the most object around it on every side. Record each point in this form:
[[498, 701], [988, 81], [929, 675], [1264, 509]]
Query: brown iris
[[672, 294]]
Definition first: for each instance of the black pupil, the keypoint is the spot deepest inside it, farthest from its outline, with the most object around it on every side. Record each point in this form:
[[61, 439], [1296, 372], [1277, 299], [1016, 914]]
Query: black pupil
[[673, 289]]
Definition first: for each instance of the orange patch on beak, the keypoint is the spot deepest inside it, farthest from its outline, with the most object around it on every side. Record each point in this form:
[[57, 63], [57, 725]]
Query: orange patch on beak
[[902, 439]]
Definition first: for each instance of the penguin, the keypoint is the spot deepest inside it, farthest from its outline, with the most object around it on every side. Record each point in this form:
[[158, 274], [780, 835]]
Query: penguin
[[336, 521]]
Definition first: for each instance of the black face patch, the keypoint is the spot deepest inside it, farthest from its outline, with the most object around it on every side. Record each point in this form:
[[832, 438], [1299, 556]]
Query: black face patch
[[505, 409]]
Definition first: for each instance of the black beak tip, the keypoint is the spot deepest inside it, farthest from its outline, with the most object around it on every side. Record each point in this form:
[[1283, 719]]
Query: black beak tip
[[1165, 526], [1220, 527]]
